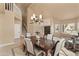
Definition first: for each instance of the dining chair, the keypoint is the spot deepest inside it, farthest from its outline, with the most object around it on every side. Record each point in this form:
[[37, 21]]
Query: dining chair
[[60, 50], [55, 39], [69, 43], [76, 43], [67, 52], [49, 38], [58, 47], [28, 35], [72, 43], [30, 49], [37, 38]]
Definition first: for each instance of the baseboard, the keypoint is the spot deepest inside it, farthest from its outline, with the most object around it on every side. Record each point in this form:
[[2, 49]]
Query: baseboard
[[7, 44]]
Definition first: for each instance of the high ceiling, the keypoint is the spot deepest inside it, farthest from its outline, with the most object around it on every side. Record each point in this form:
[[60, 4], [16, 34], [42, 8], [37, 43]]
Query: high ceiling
[[23, 6], [58, 10]]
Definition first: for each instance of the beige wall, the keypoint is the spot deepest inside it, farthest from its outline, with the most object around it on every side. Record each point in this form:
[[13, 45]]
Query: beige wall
[[7, 21], [1, 8], [6, 28]]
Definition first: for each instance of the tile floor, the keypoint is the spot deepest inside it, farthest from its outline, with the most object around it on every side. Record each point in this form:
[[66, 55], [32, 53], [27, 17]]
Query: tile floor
[[7, 51]]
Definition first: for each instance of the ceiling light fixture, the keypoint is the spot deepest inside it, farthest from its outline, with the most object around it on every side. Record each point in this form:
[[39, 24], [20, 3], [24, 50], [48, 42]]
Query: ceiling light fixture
[[36, 19]]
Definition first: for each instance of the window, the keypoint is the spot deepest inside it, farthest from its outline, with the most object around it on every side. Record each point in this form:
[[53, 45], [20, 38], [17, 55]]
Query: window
[[69, 28], [9, 6], [57, 27], [5, 5]]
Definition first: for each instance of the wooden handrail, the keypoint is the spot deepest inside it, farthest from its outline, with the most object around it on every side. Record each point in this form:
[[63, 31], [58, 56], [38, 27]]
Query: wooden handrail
[[24, 25]]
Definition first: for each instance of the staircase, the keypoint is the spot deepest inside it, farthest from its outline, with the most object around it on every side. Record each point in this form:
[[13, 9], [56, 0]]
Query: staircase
[[24, 29]]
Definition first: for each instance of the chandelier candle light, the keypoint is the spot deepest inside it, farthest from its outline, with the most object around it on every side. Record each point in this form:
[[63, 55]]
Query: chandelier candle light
[[36, 19]]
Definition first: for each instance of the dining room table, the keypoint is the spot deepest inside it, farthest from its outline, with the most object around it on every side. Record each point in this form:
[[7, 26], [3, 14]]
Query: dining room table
[[43, 44]]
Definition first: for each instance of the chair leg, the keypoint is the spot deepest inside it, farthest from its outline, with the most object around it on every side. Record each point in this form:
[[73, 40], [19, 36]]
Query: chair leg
[[58, 54], [13, 52], [27, 53], [24, 48]]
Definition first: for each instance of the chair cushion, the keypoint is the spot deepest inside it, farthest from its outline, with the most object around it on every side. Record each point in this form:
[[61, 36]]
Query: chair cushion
[[29, 45], [67, 52], [61, 53]]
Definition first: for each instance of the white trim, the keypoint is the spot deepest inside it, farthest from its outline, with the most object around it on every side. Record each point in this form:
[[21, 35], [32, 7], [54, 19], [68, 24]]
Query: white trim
[[7, 44]]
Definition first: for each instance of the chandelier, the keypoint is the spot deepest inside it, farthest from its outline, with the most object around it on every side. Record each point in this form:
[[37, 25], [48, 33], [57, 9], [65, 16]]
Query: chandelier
[[36, 19]]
